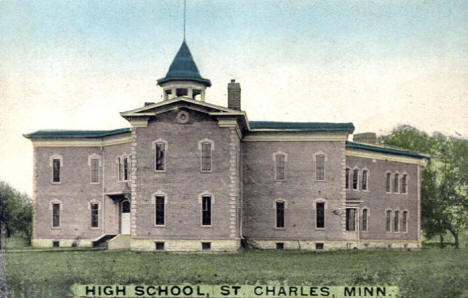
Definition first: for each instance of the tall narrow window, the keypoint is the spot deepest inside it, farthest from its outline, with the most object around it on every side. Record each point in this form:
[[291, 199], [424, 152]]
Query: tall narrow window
[[320, 214], [364, 219], [206, 210], [396, 221], [364, 180], [56, 170], [280, 166], [94, 170], [388, 221], [94, 215], [280, 214], [395, 183], [355, 178], [350, 219], [404, 183], [206, 157], [404, 222], [159, 212], [160, 157], [347, 177], [387, 182], [119, 168], [55, 215], [320, 167], [125, 168]]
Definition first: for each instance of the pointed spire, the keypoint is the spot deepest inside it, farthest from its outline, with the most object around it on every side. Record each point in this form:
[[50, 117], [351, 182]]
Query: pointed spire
[[183, 68]]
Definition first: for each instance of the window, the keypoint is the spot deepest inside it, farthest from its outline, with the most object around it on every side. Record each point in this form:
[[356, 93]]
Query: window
[[125, 168], [206, 211], [395, 221], [159, 245], [404, 222], [94, 170], [94, 215], [355, 179], [55, 215], [55, 243], [206, 245], [320, 167], [395, 183], [347, 178], [280, 160], [181, 92], [364, 180], [56, 170], [206, 157], [119, 168], [159, 210], [279, 245], [160, 158], [388, 223], [364, 220], [404, 183], [350, 219], [320, 215], [280, 214], [319, 245], [387, 182]]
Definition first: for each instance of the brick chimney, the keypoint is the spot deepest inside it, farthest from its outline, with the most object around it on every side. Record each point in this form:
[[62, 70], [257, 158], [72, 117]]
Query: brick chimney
[[234, 95]]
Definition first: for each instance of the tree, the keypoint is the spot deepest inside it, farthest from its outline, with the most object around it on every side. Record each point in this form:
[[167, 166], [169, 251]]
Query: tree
[[17, 211], [444, 181]]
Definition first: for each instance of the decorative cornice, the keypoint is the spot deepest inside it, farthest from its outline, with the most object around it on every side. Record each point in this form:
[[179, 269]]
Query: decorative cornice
[[74, 142], [295, 137]]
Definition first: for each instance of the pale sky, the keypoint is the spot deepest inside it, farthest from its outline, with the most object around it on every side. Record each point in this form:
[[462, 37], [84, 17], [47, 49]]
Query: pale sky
[[378, 64]]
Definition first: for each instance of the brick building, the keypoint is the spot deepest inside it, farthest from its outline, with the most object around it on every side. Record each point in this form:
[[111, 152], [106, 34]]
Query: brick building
[[189, 175]]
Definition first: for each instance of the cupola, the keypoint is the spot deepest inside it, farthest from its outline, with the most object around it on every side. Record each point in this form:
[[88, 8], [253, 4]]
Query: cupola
[[183, 77]]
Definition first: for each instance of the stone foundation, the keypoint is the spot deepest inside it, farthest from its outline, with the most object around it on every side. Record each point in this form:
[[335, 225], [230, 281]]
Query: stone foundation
[[185, 245], [46, 243], [334, 245]]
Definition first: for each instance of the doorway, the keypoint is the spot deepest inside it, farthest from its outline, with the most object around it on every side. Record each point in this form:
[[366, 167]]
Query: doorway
[[125, 217]]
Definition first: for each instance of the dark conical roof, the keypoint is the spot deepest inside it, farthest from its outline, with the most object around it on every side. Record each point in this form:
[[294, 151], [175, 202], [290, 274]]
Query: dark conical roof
[[183, 68]]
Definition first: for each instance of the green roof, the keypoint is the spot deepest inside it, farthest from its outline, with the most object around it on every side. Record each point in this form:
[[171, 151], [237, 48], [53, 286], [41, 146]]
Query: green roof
[[393, 151], [303, 126], [183, 68], [47, 134]]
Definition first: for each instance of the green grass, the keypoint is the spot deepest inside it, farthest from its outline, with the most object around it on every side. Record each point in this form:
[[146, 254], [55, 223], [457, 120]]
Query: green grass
[[425, 273]]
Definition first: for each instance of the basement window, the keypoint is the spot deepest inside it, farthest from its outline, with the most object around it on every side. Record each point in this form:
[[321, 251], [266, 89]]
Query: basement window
[[206, 245], [280, 245], [181, 92], [319, 245], [159, 245], [55, 244]]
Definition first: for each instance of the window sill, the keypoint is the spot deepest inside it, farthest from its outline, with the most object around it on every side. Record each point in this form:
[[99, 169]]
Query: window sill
[[56, 228], [280, 229], [95, 183], [159, 171], [206, 226], [56, 182], [319, 229], [159, 226]]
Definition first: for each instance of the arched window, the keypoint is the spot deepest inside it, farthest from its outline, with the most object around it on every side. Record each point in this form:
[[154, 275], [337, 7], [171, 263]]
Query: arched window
[[396, 221], [355, 179], [396, 183], [280, 159], [364, 179], [388, 221], [404, 221], [404, 183], [364, 219], [320, 166], [388, 180]]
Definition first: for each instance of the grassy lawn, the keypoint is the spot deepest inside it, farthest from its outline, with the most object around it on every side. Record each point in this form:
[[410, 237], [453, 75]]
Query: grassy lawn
[[426, 273]]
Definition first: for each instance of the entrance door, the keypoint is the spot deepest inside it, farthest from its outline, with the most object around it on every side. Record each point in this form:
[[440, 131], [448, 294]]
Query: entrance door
[[125, 217]]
